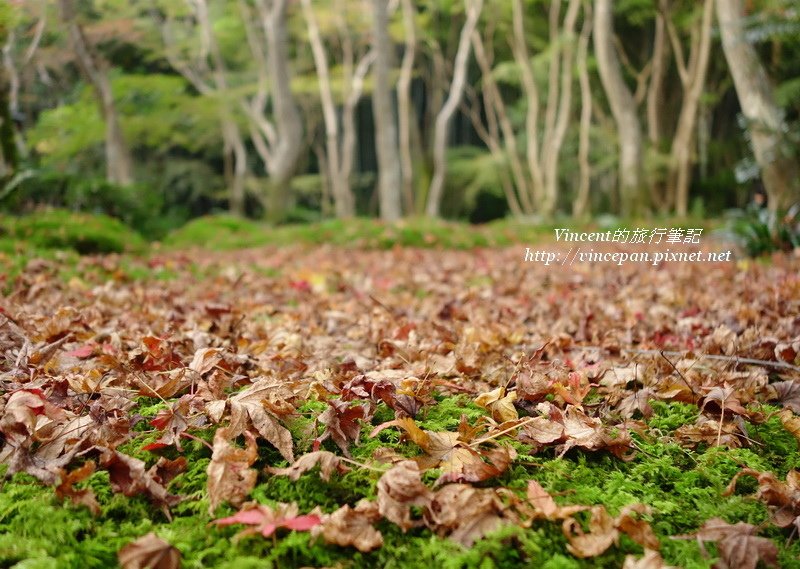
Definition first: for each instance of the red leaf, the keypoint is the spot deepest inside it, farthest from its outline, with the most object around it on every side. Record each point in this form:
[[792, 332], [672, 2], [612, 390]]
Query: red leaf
[[82, 352]]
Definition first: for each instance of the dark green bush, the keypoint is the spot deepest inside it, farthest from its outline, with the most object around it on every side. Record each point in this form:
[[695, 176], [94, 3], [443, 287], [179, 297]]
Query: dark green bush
[[760, 231]]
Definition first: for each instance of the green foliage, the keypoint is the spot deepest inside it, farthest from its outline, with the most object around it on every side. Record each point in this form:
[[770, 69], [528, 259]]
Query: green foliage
[[86, 234], [761, 231]]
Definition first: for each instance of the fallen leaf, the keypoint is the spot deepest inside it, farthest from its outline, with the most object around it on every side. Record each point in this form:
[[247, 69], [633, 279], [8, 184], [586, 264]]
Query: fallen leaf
[[149, 552], [267, 521], [399, 488], [464, 513], [353, 527], [738, 545], [230, 477], [327, 461]]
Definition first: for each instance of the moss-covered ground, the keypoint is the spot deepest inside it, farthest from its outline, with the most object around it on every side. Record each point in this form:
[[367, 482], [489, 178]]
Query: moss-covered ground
[[683, 487]]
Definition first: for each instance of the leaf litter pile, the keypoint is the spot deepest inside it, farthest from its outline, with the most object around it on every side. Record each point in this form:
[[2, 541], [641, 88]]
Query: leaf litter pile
[[346, 408]]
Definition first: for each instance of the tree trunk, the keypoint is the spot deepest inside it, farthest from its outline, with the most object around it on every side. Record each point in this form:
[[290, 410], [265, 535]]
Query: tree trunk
[[340, 187], [231, 135], [520, 49], [288, 126], [580, 207], [389, 177], [623, 107], [495, 107], [405, 111], [765, 119], [682, 153], [119, 164], [445, 116], [553, 149]]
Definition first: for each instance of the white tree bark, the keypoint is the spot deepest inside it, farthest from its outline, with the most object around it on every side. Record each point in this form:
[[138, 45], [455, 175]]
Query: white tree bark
[[405, 111], [623, 107], [682, 152], [765, 119], [580, 206], [552, 149], [445, 116], [389, 175]]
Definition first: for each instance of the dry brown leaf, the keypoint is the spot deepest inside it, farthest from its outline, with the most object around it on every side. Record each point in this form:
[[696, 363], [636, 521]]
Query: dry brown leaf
[[544, 505], [353, 527], [500, 403], [230, 477], [327, 461], [343, 423], [259, 405], [783, 498], [399, 488], [128, 475], [650, 560], [738, 545], [84, 496], [602, 534], [459, 460], [149, 552], [464, 513], [791, 423]]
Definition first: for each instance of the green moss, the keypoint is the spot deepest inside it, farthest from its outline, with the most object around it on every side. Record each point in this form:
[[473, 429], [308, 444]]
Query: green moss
[[59, 229]]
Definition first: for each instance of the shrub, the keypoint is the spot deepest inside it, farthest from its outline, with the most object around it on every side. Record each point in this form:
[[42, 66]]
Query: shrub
[[760, 231], [60, 229]]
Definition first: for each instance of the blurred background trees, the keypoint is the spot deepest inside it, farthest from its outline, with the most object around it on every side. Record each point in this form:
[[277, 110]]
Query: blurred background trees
[[163, 110]]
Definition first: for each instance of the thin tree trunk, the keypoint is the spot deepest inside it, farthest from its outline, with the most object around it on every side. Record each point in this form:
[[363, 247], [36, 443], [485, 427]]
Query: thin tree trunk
[[655, 98], [580, 206], [404, 110], [343, 200], [445, 116], [231, 135], [288, 125], [682, 153], [553, 149], [520, 50], [389, 176], [119, 165], [494, 101], [765, 119], [623, 107]]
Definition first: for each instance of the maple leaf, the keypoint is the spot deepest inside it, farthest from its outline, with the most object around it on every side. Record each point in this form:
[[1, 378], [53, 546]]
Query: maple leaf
[[604, 530], [327, 461], [175, 420], [128, 476], [459, 460], [545, 507], [464, 513], [399, 488], [229, 474], [783, 498], [574, 428], [738, 546], [650, 560], [791, 423], [260, 406], [267, 521], [342, 422], [353, 527], [376, 390], [787, 393], [499, 403], [84, 496], [711, 432], [149, 552]]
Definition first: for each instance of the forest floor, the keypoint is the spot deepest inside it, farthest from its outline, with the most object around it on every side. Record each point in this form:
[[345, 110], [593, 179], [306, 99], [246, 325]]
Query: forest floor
[[319, 406]]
